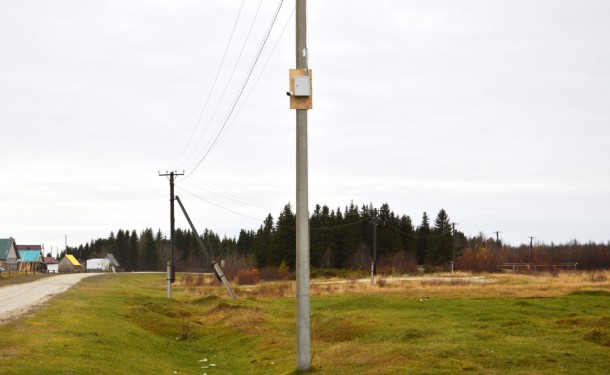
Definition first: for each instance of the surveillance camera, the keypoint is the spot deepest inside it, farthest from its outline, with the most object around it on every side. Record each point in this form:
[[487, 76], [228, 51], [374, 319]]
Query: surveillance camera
[[289, 93]]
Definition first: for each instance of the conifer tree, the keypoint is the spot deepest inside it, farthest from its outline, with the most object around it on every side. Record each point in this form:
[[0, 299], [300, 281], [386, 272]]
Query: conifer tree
[[148, 249], [245, 242], [283, 240], [442, 249], [388, 237], [423, 240], [133, 252], [318, 241], [407, 234], [352, 230], [261, 245]]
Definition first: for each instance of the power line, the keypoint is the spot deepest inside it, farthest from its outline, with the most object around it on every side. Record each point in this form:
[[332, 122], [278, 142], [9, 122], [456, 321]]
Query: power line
[[230, 112], [224, 92], [243, 103], [205, 106], [217, 205], [229, 194]]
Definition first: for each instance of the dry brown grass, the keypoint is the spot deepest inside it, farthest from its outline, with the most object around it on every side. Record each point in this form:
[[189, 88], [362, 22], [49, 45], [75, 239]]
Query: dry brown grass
[[459, 285]]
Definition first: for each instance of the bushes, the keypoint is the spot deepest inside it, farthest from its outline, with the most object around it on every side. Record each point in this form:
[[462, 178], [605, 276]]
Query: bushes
[[248, 277], [252, 276]]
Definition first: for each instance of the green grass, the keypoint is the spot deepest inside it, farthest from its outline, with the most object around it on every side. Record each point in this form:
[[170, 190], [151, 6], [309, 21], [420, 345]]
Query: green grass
[[124, 324], [20, 278]]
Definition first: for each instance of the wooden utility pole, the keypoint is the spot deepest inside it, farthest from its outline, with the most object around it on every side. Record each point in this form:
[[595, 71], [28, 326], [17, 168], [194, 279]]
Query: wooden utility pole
[[171, 265], [301, 92], [531, 248]]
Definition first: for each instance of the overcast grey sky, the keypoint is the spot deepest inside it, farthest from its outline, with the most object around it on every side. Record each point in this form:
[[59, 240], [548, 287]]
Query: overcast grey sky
[[496, 111]]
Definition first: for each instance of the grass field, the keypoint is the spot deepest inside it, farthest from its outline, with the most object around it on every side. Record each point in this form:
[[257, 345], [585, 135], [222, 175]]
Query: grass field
[[124, 324], [20, 278]]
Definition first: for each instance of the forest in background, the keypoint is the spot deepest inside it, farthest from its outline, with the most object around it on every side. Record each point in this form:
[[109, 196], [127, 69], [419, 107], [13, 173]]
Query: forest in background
[[339, 239]]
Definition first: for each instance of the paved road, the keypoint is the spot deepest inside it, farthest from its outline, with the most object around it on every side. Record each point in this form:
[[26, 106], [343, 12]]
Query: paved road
[[18, 299]]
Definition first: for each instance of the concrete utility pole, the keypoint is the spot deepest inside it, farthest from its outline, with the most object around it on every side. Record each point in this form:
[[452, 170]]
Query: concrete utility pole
[[531, 248], [453, 236], [171, 265], [215, 267], [374, 262], [302, 206]]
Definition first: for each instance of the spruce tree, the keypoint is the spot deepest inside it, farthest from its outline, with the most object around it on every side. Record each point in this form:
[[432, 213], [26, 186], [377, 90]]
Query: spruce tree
[[148, 249], [133, 251], [261, 245], [407, 234], [318, 225], [388, 236], [422, 249], [443, 239], [283, 240]]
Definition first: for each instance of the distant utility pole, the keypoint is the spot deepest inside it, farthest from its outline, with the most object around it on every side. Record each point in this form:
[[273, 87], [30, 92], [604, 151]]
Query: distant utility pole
[[531, 247], [171, 266], [453, 236], [497, 237], [374, 263]]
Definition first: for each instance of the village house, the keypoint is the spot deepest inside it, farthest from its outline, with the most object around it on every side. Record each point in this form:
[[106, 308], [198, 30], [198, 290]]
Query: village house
[[29, 260], [69, 264], [8, 254], [50, 265], [114, 264], [103, 264]]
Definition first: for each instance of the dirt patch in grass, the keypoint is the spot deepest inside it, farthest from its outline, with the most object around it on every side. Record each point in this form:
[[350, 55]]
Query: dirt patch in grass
[[598, 336], [414, 334], [335, 329]]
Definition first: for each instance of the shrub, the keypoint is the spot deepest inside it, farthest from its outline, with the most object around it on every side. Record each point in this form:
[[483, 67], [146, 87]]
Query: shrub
[[597, 277], [248, 277]]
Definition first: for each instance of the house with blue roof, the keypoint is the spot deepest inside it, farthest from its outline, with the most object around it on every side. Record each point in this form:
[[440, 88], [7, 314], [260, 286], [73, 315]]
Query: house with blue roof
[[29, 260]]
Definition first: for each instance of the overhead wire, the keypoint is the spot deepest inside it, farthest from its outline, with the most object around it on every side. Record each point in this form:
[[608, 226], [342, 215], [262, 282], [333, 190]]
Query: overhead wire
[[243, 103], [230, 112], [236, 197], [205, 106], [230, 192], [217, 205], [224, 92]]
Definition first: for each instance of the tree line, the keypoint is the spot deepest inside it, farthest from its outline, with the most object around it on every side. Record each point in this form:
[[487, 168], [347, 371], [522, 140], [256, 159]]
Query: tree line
[[347, 237]]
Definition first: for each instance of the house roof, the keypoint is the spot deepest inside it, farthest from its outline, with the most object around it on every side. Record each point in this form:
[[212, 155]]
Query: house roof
[[113, 260], [29, 255], [49, 260], [29, 247], [5, 246], [72, 260]]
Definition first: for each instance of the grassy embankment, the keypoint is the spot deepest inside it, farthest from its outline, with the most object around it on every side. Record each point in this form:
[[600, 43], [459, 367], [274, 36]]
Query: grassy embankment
[[12, 278], [124, 324]]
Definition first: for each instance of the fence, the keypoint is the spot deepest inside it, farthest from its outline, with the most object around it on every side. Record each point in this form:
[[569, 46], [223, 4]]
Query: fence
[[520, 267]]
